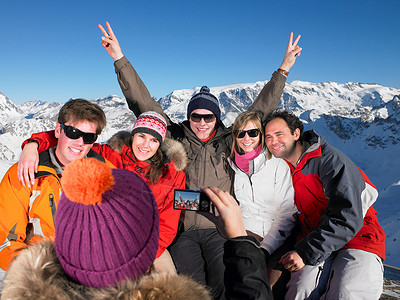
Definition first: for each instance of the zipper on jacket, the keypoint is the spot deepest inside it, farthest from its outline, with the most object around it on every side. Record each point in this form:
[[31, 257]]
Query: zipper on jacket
[[11, 234], [52, 205]]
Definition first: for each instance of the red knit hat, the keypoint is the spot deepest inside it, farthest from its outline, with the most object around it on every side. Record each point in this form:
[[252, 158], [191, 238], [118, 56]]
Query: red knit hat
[[106, 224], [152, 123]]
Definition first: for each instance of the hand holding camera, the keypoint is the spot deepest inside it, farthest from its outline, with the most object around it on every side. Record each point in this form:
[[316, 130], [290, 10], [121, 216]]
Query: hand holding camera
[[229, 221]]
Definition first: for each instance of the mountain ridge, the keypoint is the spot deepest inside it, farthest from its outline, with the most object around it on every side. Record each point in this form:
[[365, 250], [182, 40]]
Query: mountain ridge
[[360, 119]]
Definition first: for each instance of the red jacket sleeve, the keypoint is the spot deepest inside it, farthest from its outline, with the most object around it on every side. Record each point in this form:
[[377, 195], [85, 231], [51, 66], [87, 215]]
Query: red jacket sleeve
[[45, 139], [169, 217]]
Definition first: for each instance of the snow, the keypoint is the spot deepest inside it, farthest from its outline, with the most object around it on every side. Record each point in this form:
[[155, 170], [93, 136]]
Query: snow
[[359, 119]]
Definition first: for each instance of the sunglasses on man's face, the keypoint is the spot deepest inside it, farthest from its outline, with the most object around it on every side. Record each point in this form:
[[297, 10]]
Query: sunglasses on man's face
[[74, 134], [197, 118], [252, 133]]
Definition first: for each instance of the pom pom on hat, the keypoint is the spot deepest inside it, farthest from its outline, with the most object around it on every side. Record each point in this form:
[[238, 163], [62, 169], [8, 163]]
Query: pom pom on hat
[[204, 100], [205, 89], [86, 180], [106, 224]]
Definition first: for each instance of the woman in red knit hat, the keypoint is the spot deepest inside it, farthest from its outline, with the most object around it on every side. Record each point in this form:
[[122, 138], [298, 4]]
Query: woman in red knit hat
[[145, 151]]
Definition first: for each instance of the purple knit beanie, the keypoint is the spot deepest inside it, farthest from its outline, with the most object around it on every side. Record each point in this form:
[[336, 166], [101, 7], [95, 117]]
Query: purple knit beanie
[[204, 100], [152, 123], [106, 224]]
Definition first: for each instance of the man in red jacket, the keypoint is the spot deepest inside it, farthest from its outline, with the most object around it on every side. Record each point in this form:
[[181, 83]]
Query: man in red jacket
[[341, 246]]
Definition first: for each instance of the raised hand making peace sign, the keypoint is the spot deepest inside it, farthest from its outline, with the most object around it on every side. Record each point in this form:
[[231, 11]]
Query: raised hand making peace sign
[[110, 43], [292, 51]]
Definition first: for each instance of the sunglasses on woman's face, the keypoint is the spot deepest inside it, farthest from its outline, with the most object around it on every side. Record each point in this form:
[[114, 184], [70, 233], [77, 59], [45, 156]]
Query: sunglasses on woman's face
[[197, 118], [74, 134], [252, 133]]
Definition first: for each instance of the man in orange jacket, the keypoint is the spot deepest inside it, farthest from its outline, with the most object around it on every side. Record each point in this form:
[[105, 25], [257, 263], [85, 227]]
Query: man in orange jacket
[[27, 211]]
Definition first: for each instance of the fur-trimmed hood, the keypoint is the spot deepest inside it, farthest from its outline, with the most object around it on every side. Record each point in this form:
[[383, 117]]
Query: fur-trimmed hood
[[171, 149], [37, 274]]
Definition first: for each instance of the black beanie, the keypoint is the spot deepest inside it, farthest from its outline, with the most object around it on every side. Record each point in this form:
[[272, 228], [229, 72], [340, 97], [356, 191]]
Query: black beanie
[[204, 100]]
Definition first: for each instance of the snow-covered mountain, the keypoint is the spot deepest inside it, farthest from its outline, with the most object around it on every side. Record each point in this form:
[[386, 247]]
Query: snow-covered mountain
[[362, 120], [19, 122]]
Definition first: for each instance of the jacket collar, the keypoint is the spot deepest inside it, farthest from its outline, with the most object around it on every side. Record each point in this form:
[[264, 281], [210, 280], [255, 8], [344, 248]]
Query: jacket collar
[[48, 166], [312, 144]]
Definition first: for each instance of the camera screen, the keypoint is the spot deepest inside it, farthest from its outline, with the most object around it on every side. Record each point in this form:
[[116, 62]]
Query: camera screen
[[187, 200]]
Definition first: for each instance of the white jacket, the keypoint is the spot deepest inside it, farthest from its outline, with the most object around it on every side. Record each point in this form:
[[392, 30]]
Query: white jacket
[[266, 198]]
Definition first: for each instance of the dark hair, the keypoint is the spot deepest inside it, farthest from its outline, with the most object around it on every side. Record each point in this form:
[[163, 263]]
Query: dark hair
[[240, 121], [289, 117], [77, 110], [157, 166]]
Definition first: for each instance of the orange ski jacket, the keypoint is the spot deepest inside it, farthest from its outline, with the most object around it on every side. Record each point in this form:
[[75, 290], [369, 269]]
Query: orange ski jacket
[[27, 214]]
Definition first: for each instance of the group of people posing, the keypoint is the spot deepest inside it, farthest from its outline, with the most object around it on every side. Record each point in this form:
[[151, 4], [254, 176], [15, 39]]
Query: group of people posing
[[99, 218]]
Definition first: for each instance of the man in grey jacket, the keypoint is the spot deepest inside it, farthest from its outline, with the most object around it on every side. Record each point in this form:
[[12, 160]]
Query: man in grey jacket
[[198, 249]]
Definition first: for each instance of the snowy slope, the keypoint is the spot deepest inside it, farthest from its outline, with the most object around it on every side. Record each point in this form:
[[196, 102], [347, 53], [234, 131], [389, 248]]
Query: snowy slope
[[362, 120]]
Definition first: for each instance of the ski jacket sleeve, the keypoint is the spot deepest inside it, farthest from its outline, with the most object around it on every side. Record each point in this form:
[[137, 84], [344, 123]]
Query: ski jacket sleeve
[[343, 186], [45, 140], [270, 95], [286, 210], [169, 217], [136, 94], [20, 206], [245, 270]]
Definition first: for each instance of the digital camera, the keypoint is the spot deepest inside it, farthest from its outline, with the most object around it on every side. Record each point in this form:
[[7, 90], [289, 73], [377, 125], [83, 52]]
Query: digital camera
[[191, 200]]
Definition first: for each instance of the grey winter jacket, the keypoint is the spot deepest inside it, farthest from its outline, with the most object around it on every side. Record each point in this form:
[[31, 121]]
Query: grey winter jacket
[[208, 165]]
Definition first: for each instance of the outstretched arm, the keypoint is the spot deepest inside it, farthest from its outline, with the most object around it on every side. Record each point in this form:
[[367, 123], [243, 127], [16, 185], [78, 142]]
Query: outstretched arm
[[29, 160], [110, 42], [28, 164], [292, 52], [135, 91], [136, 94], [270, 95]]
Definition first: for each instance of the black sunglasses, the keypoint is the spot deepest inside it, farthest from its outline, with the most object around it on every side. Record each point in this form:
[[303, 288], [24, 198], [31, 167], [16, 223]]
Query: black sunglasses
[[74, 134], [252, 133], [197, 118]]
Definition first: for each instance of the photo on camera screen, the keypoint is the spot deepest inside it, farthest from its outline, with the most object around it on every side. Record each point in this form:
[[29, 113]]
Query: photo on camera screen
[[190, 200]]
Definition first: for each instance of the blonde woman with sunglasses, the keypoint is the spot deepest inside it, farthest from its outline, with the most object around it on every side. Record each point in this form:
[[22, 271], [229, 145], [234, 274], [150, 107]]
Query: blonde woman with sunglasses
[[263, 187]]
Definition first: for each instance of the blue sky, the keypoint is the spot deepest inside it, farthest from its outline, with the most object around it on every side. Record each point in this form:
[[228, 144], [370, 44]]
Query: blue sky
[[51, 50]]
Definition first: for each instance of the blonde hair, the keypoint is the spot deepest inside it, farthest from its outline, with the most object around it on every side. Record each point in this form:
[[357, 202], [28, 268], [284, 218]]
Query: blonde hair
[[241, 121]]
